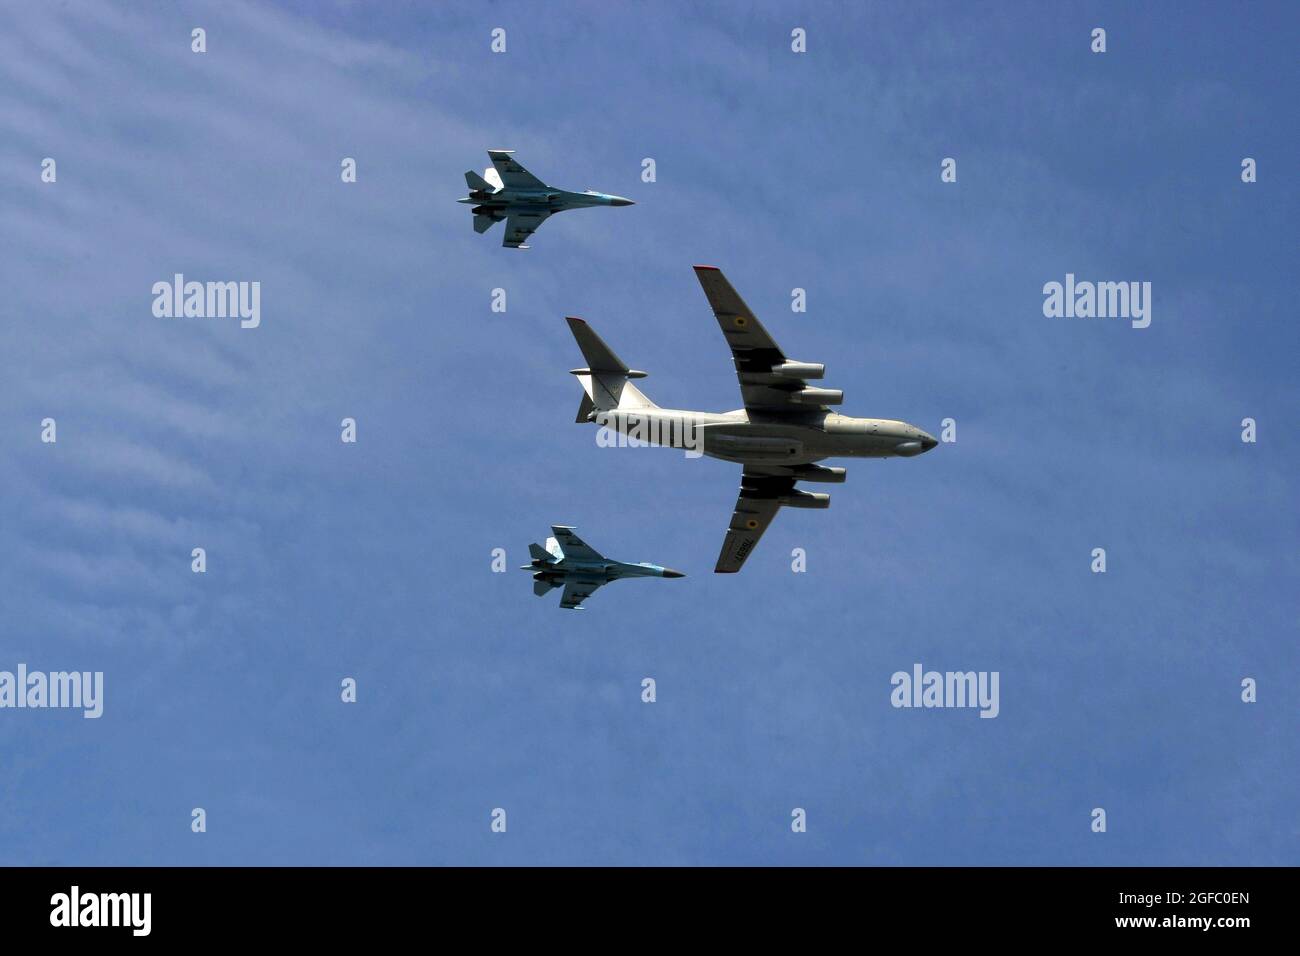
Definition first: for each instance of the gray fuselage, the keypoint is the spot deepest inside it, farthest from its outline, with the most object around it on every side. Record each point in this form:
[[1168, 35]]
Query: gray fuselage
[[511, 201], [780, 439], [600, 571]]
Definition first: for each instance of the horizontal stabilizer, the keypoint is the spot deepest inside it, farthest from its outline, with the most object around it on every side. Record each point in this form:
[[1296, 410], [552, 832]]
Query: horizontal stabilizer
[[541, 586], [538, 553], [600, 357], [477, 183], [484, 223], [605, 379]]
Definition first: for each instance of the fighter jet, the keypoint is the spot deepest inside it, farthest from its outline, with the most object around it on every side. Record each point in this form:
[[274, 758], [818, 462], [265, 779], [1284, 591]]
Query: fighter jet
[[508, 191], [570, 561], [785, 427]]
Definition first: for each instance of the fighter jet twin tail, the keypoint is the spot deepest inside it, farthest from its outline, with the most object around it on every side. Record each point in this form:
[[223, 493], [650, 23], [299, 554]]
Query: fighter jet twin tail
[[784, 428]]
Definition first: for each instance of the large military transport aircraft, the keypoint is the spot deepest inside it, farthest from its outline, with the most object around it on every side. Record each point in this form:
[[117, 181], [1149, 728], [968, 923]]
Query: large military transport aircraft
[[785, 427], [508, 191], [569, 561]]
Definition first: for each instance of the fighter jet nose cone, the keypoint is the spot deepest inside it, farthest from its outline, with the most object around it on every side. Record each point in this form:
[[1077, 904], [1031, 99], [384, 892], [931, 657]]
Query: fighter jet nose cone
[[928, 442], [620, 201], [670, 573]]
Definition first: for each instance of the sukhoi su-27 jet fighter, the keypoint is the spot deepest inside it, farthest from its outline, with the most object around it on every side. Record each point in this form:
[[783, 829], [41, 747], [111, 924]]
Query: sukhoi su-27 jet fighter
[[569, 562], [508, 191], [785, 427]]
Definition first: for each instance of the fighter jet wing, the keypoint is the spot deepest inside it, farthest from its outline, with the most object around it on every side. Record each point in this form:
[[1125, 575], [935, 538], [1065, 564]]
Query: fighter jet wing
[[755, 509], [513, 176], [573, 546], [753, 350], [521, 225], [575, 593]]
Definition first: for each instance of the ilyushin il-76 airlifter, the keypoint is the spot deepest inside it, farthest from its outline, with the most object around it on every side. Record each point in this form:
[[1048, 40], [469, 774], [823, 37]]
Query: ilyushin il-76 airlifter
[[508, 191], [569, 561], [785, 427]]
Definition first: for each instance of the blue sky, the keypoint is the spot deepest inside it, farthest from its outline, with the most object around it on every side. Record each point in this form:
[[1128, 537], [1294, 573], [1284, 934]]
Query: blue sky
[[818, 171]]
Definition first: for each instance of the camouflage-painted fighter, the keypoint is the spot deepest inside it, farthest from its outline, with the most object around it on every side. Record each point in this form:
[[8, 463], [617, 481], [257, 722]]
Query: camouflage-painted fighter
[[784, 428], [508, 191], [569, 561]]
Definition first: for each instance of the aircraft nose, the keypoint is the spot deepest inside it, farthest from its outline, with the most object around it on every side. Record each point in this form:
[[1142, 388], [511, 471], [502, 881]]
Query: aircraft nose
[[670, 573], [928, 441], [620, 201]]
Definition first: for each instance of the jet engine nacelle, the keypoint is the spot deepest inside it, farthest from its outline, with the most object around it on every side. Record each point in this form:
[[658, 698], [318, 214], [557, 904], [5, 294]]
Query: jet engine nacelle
[[799, 370], [818, 396], [805, 499]]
